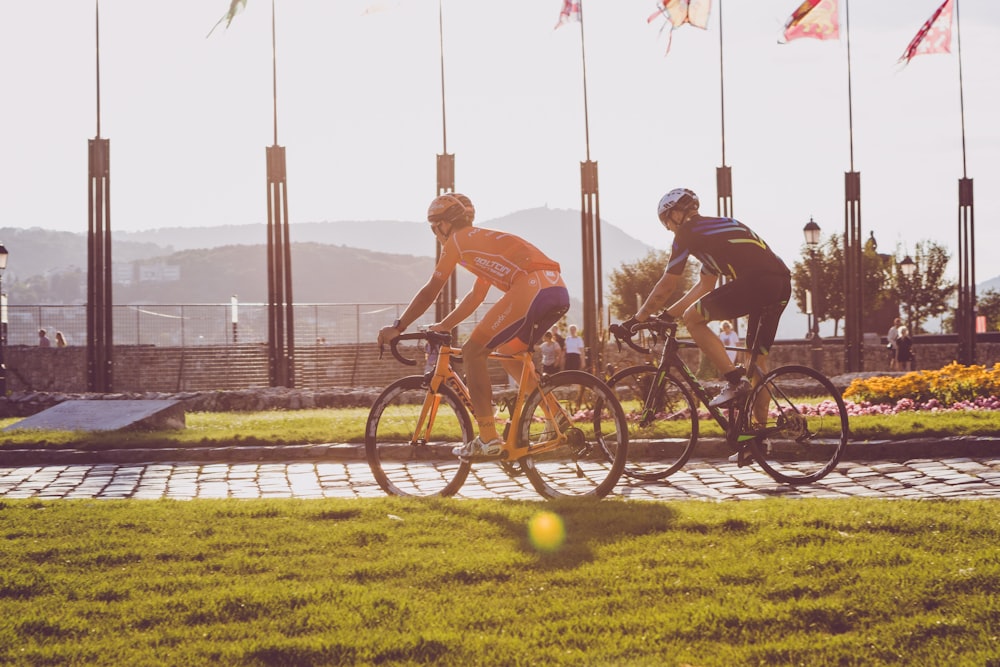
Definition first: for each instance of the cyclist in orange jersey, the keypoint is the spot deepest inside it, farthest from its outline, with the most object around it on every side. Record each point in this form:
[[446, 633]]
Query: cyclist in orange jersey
[[534, 298]]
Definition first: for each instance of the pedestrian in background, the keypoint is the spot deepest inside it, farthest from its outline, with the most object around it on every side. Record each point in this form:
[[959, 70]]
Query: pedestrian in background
[[550, 354], [561, 342], [574, 350], [729, 338], [904, 350], [60, 339], [891, 338], [43, 339]]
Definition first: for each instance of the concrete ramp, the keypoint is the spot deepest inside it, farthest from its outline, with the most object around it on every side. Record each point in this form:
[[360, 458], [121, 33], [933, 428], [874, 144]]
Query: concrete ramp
[[101, 415]]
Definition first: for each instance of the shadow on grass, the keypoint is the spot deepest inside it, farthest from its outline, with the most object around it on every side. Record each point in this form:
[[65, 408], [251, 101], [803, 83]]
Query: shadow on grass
[[587, 523]]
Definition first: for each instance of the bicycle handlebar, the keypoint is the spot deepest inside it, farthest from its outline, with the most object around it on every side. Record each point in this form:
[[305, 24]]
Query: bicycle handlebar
[[435, 338], [656, 325]]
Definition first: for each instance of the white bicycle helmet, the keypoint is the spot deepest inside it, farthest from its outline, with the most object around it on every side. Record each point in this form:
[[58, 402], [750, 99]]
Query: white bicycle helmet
[[682, 198], [453, 208]]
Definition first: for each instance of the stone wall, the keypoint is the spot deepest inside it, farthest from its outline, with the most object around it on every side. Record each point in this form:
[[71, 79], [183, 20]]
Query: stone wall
[[223, 378]]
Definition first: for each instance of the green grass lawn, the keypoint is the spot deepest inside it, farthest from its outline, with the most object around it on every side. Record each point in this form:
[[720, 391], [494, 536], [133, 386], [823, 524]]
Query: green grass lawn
[[347, 425], [390, 581]]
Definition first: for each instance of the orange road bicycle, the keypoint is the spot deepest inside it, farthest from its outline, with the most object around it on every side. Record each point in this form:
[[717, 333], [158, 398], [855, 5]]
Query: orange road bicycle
[[793, 422], [568, 435]]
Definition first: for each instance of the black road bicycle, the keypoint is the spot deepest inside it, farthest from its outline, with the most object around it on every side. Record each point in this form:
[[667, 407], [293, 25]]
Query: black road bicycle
[[793, 422]]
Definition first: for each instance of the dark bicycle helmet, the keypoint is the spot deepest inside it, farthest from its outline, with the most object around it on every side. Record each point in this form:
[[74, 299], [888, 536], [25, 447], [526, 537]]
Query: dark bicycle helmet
[[680, 198]]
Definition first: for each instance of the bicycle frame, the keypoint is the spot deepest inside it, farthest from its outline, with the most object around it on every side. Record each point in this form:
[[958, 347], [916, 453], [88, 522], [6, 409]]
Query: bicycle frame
[[731, 419], [444, 374]]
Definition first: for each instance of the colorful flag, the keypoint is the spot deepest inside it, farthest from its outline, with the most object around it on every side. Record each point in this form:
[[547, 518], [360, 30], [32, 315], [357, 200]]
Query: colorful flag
[[235, 6], [570, 12], [813, 18], [934, 36], [678, 12]]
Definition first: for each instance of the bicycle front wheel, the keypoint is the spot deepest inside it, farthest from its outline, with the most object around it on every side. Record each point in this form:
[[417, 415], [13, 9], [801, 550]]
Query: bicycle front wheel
[[803, 423], [589, 456], [409, 437], [665, 445]]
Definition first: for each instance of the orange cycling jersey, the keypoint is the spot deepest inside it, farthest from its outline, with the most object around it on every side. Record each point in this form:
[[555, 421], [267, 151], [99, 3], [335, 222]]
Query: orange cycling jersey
[[497, 257]]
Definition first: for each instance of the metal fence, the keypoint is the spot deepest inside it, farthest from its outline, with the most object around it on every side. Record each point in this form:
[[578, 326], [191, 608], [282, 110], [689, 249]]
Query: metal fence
[[190, 325]]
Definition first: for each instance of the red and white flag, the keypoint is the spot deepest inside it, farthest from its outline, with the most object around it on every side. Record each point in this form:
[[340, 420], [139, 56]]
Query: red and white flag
[[570, 12], [813, 18], [934, 36], [678, 12]]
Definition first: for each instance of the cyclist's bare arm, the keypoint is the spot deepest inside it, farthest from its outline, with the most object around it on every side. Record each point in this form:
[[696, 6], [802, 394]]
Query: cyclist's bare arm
[[657, 298], [465, 307]]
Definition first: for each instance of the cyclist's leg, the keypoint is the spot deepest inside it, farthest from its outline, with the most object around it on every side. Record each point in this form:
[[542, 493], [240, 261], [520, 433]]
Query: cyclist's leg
[[727, 302], [508, 327], [761, 331]]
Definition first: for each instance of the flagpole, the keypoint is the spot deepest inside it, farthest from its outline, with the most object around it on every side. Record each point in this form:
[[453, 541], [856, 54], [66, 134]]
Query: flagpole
[[850, 103], [965, 317], [723, 174], [961, 85], [274, 73], [448, 297], [100, 333], [590, 241], [586, 115], [444, 123], [722, 89], [280, 302], [853, 257]]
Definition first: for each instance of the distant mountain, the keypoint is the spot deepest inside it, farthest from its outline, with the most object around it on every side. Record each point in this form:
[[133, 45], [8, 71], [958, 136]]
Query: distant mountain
[[380, 261], [555, 231], [332, 262]]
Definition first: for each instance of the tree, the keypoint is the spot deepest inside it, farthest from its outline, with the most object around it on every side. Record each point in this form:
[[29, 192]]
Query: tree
[[632, 283], [926, 293], [828, 304]]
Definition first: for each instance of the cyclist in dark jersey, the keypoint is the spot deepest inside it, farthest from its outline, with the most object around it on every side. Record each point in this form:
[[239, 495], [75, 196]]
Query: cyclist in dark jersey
[[757, 284]]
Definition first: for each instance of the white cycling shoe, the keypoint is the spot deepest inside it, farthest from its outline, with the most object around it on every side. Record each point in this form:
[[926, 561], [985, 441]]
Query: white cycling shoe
[[477, 449]]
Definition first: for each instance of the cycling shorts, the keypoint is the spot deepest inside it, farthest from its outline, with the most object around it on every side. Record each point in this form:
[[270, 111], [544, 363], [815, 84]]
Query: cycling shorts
[[524, 313], [762, 297]]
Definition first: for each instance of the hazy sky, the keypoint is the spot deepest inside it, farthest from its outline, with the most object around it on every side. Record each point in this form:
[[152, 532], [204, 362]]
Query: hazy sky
[[359, 111]]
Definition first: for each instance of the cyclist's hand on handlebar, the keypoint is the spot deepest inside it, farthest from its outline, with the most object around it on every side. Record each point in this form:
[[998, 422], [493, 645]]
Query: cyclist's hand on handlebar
[[387, 334], [666, 318], [630, 324]]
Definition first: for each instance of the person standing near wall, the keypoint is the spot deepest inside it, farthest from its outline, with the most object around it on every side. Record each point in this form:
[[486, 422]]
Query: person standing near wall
[[574, 350], [729, 338], [904, 350], [891, 337], [60, 339], [43, 339], [561, 342], [550, 354]]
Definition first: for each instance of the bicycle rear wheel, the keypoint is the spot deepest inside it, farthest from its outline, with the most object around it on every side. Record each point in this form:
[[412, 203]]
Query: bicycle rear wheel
[[663, 447], [589, 459], [806, 427], [409, 437]]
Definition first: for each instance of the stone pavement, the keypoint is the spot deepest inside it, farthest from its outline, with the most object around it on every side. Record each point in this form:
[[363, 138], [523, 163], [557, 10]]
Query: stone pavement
[[961, 477]]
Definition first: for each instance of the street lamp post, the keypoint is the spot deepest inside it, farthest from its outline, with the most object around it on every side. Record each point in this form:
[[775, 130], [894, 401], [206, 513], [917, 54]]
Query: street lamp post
[[908, 267], [812, 234], [235, 317], [3, 322]]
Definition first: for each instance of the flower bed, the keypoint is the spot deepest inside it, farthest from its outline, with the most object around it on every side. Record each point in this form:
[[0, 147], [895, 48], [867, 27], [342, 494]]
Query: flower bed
[[953, 387]]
